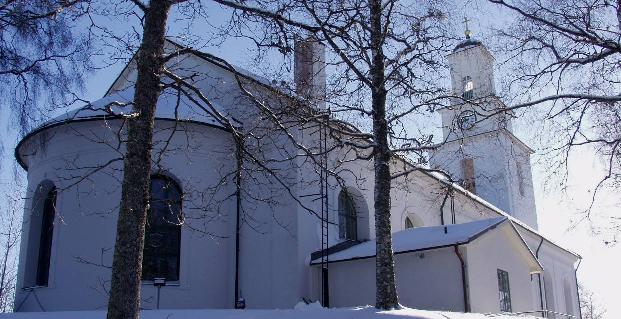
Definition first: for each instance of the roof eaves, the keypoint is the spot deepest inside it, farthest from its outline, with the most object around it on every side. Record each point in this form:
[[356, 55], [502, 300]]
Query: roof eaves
[[88, 119], [500, 212], [456, 243], [534, 257]]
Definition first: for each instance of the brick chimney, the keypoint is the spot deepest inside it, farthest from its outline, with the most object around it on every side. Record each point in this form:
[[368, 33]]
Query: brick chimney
[[310, 71]]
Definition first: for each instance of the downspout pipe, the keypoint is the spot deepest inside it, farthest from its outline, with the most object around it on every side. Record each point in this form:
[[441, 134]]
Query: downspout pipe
[[236, 301], [543, 313], [442, 210], [464, 282], [578, 291]]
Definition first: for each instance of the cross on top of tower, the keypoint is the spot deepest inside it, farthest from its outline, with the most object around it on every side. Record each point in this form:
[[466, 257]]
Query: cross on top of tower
[[467, 32]]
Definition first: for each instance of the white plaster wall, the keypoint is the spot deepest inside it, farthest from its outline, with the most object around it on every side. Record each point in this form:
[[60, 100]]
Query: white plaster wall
[[276, 239], [489, 166], [559, 270], [475, 62], [486, 119], [425, 280], [417, 196], [495, 156], [492, 251], [86, 219]]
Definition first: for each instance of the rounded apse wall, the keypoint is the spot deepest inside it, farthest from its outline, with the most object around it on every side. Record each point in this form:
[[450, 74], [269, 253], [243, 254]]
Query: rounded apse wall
[[83, 160]]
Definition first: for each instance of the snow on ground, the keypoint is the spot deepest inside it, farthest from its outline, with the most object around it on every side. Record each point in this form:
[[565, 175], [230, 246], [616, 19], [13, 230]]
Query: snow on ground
[[312, 311]]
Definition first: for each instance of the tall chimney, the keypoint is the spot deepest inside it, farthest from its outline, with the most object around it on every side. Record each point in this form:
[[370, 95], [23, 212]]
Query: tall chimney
[[310, 71]]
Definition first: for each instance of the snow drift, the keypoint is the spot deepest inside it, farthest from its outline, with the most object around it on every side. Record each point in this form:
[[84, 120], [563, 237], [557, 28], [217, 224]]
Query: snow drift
[[301, 311]]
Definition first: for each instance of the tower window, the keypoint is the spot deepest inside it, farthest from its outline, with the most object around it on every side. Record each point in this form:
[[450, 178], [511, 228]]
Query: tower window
[[467, 166], [468, 86], [348, 224], [163, 231], [504, 291], [520, 177]]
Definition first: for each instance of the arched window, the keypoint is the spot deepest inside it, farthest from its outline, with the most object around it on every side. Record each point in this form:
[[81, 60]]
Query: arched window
[[348, 225], [45, 240], [468, 86], [40, 236], [409, 223], [412, 221], [163, 231]]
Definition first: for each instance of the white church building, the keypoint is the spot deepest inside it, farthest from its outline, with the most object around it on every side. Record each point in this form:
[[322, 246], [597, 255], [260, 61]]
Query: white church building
[[471, 245]]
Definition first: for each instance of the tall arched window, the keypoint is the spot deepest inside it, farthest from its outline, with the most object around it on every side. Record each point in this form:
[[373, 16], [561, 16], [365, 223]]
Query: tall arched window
[[45, 240], [163, 231], [348, 225], [40, 235]]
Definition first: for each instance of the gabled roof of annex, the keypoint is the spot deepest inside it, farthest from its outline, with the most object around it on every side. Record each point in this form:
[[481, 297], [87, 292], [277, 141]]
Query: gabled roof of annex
[[433, 237]]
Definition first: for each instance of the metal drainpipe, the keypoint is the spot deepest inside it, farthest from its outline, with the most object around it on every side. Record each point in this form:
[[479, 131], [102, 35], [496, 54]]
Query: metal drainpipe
[[463, 279], [442, 210], [544, 314], [577, 291], [237, 228]]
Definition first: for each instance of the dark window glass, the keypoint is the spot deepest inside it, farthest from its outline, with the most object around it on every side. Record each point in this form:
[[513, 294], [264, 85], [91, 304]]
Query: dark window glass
[[163, 231], [504, 291], [45, 241], [348, 225], [408, 223]]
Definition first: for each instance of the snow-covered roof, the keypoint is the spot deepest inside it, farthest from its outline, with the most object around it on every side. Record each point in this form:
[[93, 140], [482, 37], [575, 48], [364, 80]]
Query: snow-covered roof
[[467, 43], [170, 106], [420, 238], [116, 105], [443, 179]]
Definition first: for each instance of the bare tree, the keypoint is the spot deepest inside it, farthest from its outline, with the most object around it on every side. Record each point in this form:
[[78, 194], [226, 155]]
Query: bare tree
[[387, 57], [42, 62], [589, 308], [9, 239], [124, 299], [566, 56], [42, 56]]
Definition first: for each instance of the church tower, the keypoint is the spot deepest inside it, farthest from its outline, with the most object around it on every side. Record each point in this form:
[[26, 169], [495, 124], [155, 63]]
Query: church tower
[[479, 149]]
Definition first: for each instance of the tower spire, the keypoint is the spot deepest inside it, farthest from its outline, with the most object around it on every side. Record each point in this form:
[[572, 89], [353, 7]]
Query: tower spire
[[467, 32]]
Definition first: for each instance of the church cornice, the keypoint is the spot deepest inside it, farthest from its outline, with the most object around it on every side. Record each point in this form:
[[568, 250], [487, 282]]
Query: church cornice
[[467, 138]]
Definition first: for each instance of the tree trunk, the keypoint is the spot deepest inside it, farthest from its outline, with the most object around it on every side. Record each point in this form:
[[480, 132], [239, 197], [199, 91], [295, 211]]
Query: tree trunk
[[386, 291], [124, 300]]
